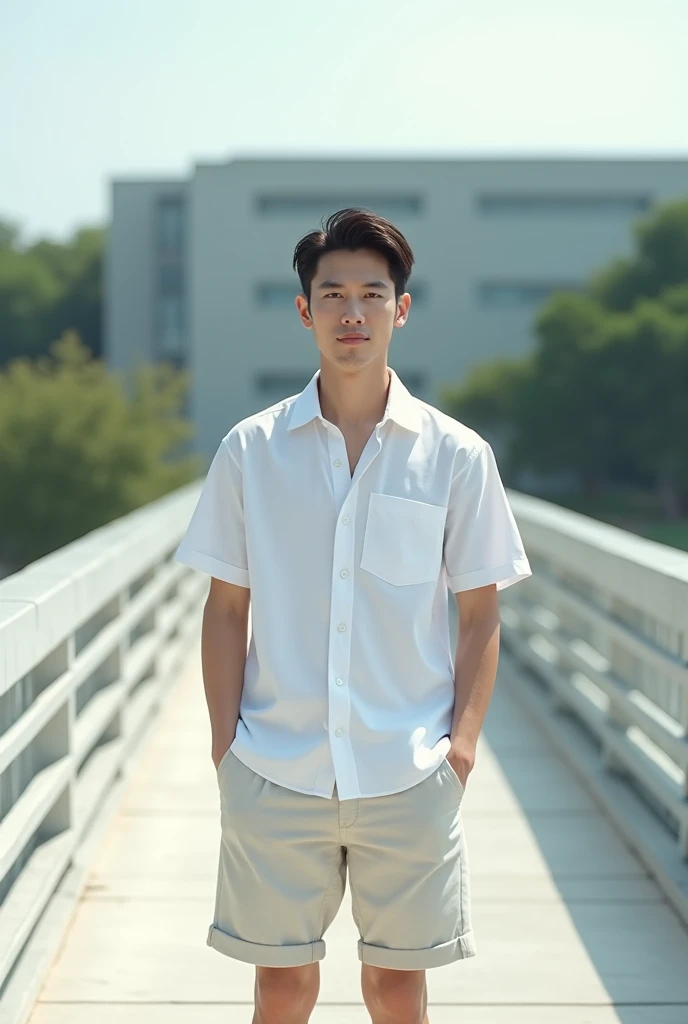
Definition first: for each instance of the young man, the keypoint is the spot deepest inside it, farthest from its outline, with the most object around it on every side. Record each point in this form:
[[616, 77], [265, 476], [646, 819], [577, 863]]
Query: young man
[[345, 736]]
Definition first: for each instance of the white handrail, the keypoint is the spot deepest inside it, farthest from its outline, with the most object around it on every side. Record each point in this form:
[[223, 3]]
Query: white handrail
[[90, 638], [603, 622], [92, 635]]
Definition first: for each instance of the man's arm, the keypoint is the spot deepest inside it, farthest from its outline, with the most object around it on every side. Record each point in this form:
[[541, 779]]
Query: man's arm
[[477, 655], [224, 639]]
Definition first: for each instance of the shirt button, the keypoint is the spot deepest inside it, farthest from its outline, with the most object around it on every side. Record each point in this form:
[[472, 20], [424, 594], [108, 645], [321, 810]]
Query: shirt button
[[346, 520], [337, 463], [339, 732], [344, 573], [341, 627], [340, 682]]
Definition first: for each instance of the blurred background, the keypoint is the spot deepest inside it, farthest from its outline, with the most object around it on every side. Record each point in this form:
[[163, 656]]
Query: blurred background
[[162, 159], [160, 162]]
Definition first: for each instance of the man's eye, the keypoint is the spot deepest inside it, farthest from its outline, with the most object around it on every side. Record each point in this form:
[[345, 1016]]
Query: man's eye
[[375, 295]]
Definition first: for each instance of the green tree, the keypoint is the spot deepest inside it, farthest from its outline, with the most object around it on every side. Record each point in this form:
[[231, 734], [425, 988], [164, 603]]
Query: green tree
[[660, 262], [48, 288], [675, 299], [605, 386], [77, 451], [78, 269], [561, 411], [643, 367], [9, 234], [540, 396], [28, 293]]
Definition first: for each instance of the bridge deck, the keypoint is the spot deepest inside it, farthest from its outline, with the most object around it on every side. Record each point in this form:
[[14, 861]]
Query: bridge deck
[[569, 928]]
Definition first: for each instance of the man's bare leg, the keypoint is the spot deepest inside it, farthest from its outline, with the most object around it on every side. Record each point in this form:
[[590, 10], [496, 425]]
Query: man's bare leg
[[395, 997], [286, 995]]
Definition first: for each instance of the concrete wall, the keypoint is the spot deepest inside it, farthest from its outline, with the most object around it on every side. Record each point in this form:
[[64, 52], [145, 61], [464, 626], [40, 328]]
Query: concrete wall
[[459, 248], [130, 270]]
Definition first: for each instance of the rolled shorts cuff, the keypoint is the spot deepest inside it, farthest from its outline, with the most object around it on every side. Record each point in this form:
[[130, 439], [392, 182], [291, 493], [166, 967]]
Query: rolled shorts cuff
[[460, 948], [262, 955]]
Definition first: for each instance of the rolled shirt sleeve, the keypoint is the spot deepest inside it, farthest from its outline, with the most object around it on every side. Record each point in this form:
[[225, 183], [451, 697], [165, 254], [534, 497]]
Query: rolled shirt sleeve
[[215, 539], [482, 544]]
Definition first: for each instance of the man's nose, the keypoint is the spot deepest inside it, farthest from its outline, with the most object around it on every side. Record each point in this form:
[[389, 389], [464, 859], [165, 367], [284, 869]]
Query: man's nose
[[353, 315]]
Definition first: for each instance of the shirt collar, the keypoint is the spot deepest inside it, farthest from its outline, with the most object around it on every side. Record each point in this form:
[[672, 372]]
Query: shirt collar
[[402, 406]]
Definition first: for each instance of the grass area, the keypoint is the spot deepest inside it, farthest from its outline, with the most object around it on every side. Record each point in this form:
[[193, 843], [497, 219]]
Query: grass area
[[675, 534], [611, 504], [636, 512]]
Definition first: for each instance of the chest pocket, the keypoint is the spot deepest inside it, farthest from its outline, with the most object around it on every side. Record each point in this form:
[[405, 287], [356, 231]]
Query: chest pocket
[[403, 540]]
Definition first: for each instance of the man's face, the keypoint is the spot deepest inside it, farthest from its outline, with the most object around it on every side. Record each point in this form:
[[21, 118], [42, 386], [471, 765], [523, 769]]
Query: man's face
[[353, 310]]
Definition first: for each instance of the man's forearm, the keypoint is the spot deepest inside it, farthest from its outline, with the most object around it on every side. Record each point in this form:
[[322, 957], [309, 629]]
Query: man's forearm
[[223, 657], [477, 656]]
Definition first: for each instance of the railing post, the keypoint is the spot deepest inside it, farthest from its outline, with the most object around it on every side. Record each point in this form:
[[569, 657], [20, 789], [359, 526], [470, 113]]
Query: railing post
[[615, 721], [55, 740], [610, 759], [683, 840]]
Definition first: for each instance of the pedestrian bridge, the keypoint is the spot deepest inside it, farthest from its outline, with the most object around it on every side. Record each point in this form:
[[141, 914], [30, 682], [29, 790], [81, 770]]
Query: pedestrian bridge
[[576, 813]]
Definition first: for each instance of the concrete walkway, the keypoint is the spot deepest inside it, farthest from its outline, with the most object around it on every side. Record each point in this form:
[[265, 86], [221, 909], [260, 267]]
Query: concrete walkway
[[569, 928]]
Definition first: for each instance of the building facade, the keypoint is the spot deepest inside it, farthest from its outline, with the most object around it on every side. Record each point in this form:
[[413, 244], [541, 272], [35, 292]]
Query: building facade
[[198, 270]]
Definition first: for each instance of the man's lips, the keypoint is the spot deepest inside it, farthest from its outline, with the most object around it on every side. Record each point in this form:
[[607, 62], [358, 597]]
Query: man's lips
[[352, 338]]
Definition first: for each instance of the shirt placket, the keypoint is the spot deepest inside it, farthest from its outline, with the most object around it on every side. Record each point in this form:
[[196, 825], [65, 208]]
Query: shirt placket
[[346, 491]]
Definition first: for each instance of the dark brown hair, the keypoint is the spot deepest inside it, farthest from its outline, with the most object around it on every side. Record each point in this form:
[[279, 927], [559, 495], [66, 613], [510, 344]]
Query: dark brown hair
[[354, 228]]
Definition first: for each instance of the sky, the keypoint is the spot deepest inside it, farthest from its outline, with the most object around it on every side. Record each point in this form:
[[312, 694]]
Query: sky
[[91, 91]]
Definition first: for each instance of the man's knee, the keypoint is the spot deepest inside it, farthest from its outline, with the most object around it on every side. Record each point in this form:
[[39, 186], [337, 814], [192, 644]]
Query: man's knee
[[286, 994], [394, 995]]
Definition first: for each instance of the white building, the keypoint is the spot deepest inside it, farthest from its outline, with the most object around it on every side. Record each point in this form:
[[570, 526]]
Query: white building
[[199, 270]]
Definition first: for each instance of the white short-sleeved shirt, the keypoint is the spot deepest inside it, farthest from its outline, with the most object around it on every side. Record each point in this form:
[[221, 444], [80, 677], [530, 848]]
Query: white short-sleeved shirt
[[349, 672]]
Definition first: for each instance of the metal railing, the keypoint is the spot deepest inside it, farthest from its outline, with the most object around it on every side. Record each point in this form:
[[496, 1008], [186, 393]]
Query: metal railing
[[91, 637], [603, 623]]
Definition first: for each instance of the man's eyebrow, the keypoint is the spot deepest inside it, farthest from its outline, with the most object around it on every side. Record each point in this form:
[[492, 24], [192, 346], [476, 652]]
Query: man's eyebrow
[[338, 284]]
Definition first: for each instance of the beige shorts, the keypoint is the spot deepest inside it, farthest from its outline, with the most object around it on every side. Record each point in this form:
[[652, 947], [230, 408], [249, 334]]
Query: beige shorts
[[283, 866]]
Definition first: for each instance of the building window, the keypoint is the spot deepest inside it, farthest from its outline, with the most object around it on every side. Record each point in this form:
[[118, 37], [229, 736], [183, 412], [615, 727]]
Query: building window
[[283, 382], [170, 297], [520, 204], [510, 294], [171, 327], [171, 223], [281, 295], [170, 278], [276, 295], [314, 205]]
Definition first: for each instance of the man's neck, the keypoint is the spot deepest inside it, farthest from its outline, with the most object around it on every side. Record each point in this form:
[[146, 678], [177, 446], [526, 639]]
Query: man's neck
[[353, 401]]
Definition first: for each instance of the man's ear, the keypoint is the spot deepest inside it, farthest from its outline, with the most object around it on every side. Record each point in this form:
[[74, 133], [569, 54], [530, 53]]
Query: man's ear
[[304, 312], [403, 309]]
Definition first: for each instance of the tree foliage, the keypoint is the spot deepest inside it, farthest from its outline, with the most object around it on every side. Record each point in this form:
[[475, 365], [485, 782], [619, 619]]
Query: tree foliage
[[661, 261], [78, 449], [48, 288], [605, 390]]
